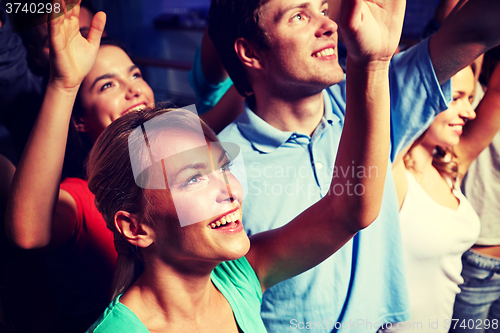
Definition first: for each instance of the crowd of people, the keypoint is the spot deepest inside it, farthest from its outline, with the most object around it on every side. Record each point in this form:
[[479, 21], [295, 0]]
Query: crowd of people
[[126, 215]]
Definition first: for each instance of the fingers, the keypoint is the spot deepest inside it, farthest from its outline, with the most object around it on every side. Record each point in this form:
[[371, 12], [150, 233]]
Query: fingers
[[54, 15], [74, 10], [97, 28], [55, 19], [71, 8], [350, 10]]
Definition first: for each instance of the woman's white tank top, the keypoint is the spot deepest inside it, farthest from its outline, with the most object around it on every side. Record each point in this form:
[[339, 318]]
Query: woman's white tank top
[[434, 239]]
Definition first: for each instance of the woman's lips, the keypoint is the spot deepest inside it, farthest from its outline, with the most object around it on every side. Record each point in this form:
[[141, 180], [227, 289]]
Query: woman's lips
[[137, 107], [226, 219], [457, 128]]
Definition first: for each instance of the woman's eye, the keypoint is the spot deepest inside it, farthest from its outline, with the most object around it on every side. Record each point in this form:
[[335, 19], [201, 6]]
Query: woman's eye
[[106, 86], [325, 12], [192, 180], [137, 75], [226, 167], [297, 17]]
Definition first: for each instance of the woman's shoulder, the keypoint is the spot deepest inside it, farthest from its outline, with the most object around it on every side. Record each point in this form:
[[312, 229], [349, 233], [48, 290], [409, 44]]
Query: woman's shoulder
[[237, 281], [238, 272], [77, 188], [75, 183], [118, 318], [84, 200]]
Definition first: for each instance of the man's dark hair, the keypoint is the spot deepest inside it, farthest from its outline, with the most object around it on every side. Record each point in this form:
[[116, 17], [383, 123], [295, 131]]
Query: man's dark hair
[[228, 21]]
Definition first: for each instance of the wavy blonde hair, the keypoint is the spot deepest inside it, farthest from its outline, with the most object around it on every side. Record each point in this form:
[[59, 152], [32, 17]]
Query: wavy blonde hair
[[443, 159]]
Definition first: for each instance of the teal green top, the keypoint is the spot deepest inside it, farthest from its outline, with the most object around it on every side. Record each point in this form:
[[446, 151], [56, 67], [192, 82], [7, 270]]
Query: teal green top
[[237, 282], [207, 94]]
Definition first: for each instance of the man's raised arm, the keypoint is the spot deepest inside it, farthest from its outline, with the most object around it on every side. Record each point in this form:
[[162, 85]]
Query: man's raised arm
[[464, 35]]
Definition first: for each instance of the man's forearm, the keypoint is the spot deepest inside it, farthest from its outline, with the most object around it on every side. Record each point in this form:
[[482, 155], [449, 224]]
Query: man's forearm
[[463, 36]]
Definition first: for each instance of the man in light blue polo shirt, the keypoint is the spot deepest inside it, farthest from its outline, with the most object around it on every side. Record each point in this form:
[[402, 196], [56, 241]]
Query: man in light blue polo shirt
[[282, 55]]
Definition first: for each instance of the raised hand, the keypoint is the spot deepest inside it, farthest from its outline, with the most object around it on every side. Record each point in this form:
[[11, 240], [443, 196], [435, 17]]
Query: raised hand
[[371, 28], [71, 55]]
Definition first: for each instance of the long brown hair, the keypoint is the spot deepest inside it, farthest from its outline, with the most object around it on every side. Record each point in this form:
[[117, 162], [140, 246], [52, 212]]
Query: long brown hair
[[112, 181]]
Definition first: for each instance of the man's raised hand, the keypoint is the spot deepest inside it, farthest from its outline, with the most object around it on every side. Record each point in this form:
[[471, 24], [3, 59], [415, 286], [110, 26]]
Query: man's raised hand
[[371, 28]]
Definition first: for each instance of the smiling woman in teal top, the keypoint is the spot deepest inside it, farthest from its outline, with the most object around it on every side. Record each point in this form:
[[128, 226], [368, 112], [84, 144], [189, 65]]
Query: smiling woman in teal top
[[166, 188]]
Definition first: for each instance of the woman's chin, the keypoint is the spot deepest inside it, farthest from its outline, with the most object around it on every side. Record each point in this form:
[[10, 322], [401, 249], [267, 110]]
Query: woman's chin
[[238, 249]]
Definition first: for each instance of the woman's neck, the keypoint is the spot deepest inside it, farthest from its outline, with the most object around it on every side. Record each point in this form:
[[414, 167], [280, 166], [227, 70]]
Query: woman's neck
[[430, 178], [421, 157], [164, 297]]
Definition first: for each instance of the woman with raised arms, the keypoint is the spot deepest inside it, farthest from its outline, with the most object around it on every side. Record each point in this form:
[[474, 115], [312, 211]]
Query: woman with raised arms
[[62, 217], [438, 223]]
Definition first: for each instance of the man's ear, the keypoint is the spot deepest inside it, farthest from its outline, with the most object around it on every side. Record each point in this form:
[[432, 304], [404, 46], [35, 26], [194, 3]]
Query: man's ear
[[80, 125], [135, 233], [248, 53]]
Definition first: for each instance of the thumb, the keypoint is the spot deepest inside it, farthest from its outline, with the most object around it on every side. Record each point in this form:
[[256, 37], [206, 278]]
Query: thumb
[[96, 29]]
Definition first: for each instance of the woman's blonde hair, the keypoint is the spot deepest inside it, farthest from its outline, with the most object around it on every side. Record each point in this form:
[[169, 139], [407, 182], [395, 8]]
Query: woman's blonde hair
[[111, 179], [443, 159]]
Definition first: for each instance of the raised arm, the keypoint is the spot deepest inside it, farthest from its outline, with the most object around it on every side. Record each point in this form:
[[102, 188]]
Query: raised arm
[[225, 111], [471, 29], [479, 133], [371, 31], [38, 212], [229, 107], [444, 8]]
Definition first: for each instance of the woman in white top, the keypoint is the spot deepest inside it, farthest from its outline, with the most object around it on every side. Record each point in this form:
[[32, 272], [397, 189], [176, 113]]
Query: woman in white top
[[438, 224]]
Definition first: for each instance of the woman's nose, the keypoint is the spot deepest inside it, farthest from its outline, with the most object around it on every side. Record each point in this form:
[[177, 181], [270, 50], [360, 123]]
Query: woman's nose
[[468, 112], [228, 187], [133, 90]]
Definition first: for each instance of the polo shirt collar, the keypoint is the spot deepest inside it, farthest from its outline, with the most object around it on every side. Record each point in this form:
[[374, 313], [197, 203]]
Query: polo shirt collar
[[266, 138], [329, 116]]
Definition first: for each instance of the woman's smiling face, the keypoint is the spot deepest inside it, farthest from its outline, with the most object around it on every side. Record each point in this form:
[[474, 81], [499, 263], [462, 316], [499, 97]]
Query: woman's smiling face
[[113, 87], [447, 127], [200, 212]]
